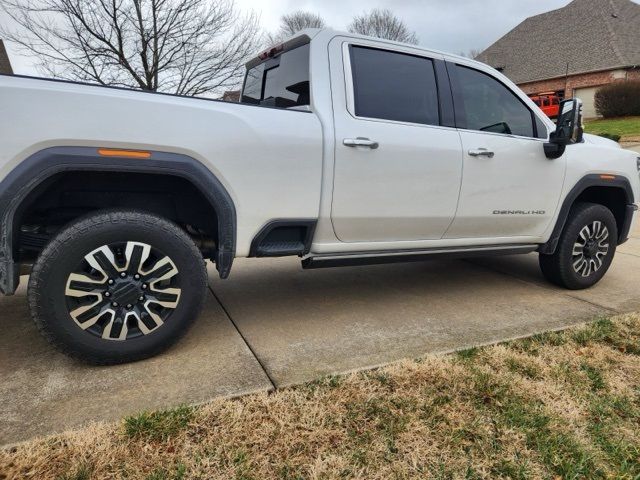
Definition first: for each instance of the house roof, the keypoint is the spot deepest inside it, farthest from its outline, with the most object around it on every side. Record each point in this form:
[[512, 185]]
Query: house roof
[[584, 36], [5, 65]]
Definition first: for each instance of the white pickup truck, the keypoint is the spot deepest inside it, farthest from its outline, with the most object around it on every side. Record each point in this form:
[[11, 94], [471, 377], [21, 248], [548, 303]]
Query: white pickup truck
[[343, 150]]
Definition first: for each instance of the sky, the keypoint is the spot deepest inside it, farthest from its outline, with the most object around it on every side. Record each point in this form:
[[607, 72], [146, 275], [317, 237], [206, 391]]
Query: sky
[[450, 25], [455, 26]]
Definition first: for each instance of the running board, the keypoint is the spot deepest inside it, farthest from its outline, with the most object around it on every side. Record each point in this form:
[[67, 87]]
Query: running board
[[402, 256]]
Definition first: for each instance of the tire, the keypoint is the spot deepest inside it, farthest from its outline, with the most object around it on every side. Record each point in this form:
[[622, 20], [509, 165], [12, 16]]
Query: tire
[[591, 228], [145, 294]]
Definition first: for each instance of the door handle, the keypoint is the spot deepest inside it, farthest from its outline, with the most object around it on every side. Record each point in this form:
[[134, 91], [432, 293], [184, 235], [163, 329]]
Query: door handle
[[481, 152], [360, 142]]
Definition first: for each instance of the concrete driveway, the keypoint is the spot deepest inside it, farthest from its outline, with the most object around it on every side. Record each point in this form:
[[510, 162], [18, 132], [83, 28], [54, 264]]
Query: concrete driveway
[[635, 146], [272, 325]]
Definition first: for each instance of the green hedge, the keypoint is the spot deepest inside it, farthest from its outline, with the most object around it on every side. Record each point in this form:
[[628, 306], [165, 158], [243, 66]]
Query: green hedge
[[611, 136], [620, 99]]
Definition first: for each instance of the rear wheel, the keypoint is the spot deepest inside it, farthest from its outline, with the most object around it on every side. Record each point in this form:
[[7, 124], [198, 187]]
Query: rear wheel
[[117, 286], [586, 248]]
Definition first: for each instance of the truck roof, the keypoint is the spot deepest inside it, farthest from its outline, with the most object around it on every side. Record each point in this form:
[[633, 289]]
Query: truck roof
[[326, 34]]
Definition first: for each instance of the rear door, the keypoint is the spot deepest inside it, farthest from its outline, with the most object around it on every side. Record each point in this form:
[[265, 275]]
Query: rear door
[[398, 159]]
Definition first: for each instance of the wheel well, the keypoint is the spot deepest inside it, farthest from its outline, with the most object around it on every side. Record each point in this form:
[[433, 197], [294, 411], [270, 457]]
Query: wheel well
[[615, 199], [66, 196]]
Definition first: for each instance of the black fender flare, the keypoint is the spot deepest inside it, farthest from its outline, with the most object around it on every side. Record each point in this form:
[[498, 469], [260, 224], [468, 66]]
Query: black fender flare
[[588, 181], [43, 164]]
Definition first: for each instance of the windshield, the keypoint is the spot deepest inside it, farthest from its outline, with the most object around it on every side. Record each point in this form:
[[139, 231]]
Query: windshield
[[281, 82]]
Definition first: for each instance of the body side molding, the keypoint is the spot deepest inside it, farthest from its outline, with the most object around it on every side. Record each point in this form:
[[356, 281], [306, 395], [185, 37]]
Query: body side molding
[[593, 180], [40, 166]]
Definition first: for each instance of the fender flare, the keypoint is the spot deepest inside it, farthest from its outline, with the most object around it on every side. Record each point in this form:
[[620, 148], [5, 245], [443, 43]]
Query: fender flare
[[43, 164], [588, 181]]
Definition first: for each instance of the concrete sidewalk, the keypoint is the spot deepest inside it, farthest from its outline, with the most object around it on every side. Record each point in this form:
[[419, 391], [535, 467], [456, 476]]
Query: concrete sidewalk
[[272, 324]]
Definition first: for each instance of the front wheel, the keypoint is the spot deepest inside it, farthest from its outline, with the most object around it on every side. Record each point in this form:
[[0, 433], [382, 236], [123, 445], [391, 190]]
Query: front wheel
[[585, 250], [117, 286]]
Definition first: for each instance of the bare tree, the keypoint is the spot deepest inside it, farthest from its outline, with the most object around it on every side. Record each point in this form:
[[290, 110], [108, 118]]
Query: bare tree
[[187, 47], [292, 23], [382, 24], [472, 53]]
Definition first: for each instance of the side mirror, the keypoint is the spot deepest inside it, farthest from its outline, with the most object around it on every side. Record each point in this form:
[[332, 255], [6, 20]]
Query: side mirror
[[568, 128]]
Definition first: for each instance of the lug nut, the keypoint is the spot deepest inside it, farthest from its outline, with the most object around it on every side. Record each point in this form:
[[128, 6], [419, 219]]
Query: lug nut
[[107, 294], [141, 299], [144, 287], [136, 276], [110, 282], [114, 304], [129, 307], [123, 274]]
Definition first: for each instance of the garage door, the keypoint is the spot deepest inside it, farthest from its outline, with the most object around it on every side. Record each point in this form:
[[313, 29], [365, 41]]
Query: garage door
[[587, 95]]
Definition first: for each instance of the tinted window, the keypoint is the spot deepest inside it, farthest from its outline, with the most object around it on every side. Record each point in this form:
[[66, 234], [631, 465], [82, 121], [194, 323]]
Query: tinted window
[[541, 128], [490, 106], [394, 86], [280, 82]]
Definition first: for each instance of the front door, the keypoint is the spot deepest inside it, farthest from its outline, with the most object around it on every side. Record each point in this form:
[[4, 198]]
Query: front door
[[397, 170], [509, 187]]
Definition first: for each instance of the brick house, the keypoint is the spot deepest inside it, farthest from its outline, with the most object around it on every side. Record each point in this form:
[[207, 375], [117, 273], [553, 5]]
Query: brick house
[[5, 65], [573, 50]]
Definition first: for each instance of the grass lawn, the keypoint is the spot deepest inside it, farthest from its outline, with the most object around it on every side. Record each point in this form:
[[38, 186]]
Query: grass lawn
[[625, 127], [562, 405]]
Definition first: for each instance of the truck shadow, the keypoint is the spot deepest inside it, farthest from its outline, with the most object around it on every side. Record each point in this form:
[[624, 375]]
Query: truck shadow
[[258, 287]]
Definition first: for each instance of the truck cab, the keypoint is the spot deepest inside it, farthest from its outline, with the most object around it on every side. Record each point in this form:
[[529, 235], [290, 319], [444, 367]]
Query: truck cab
[[426, 150]]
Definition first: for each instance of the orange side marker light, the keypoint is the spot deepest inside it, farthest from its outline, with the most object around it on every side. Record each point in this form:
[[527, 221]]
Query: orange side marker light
[[113, 152], [608, 177]]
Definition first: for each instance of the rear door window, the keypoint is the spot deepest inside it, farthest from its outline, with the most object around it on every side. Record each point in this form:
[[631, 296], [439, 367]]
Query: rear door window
[[281, 82], [394, 86]]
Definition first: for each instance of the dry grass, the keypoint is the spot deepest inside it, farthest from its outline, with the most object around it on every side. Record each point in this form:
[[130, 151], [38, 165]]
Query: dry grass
[[557, 405]]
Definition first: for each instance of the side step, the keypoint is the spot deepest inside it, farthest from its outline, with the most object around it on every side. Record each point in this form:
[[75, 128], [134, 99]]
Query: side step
[[280, 249], [281, 238], [403, 256]]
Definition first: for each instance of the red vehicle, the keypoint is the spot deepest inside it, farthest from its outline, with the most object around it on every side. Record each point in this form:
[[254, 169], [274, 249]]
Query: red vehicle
[[548, 102]]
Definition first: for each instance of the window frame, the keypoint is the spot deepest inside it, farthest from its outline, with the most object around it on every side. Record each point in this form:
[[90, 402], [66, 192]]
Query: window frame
[[443, 87], [460, 112]]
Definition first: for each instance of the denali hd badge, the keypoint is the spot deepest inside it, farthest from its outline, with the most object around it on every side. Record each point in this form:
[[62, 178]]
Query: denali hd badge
[[519, 212]]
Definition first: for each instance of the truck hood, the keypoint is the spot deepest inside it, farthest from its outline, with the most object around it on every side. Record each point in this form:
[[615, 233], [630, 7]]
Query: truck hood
[[597, 140]]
